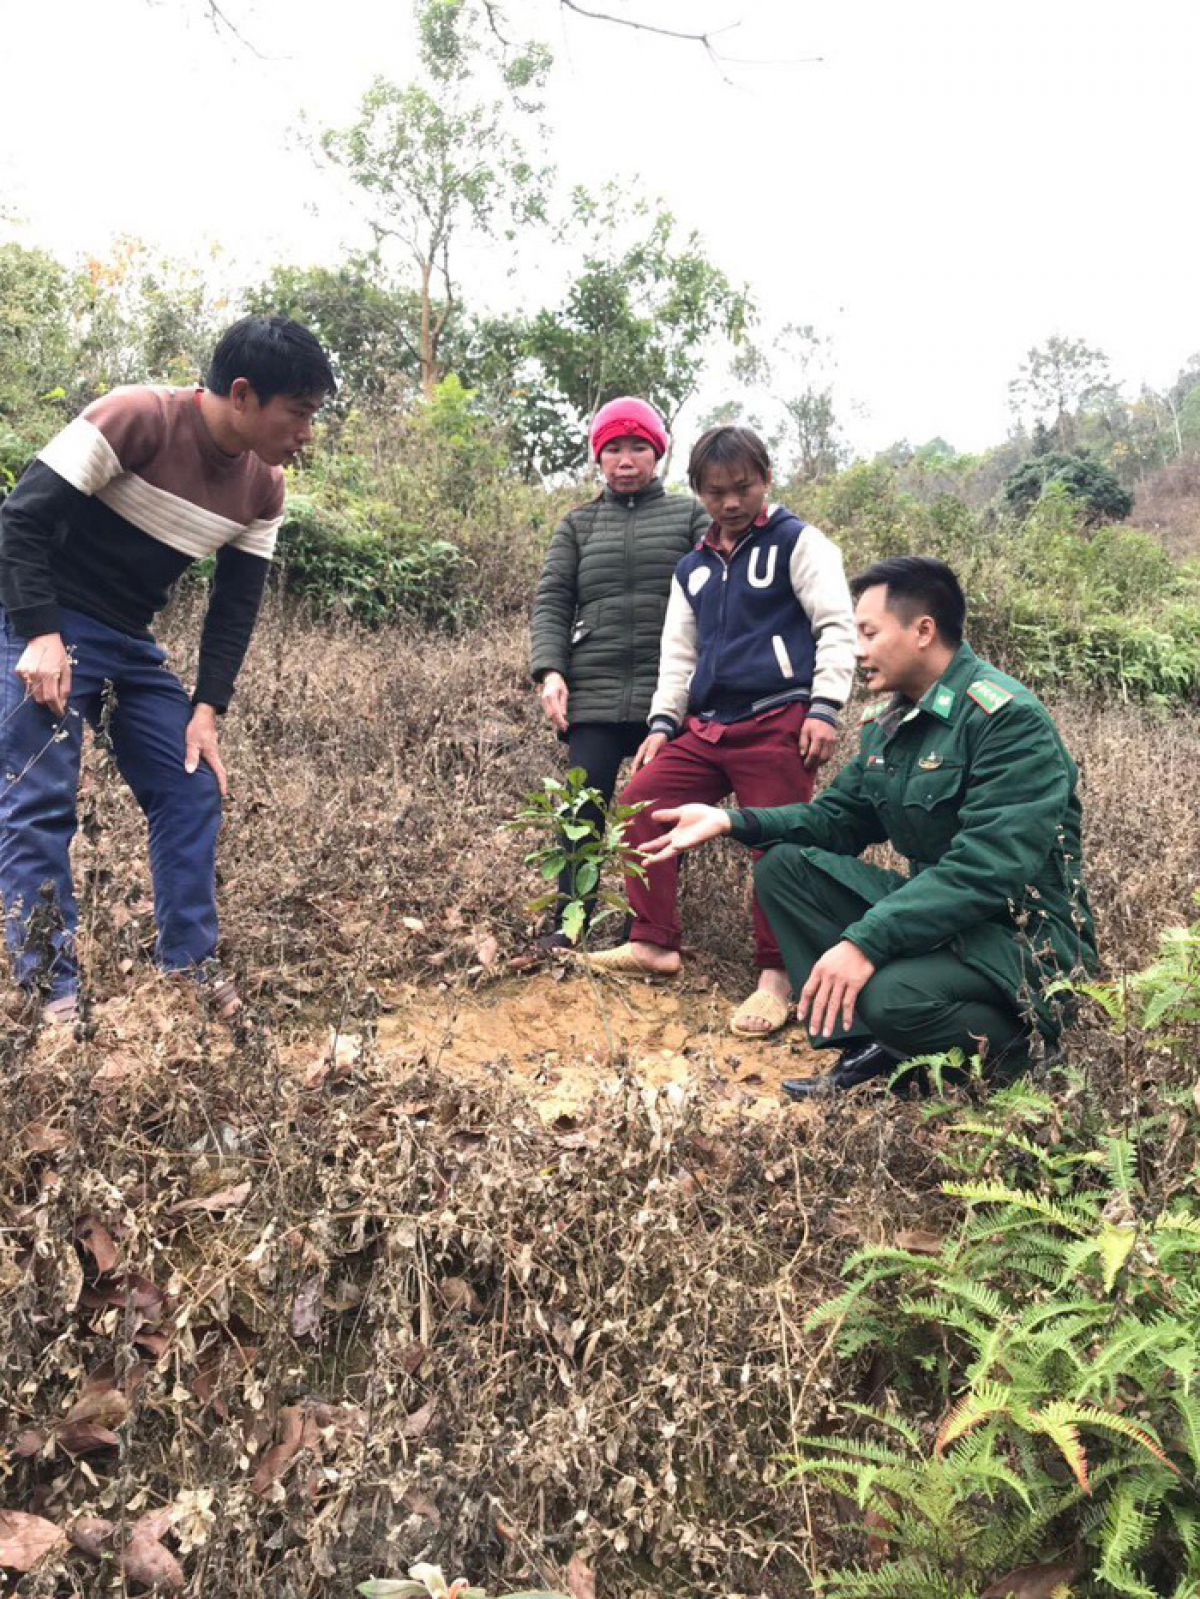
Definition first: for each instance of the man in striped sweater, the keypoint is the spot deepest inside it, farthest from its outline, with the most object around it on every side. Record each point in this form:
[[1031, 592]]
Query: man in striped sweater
[[114, 509]]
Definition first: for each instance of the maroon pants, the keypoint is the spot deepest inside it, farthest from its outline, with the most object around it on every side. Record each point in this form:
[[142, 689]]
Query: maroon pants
[[758, 761]]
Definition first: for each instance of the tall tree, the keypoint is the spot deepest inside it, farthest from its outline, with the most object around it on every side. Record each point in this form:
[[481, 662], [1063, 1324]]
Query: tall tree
[[1054, 380], [441, 156], [642, 316], [803, 364]]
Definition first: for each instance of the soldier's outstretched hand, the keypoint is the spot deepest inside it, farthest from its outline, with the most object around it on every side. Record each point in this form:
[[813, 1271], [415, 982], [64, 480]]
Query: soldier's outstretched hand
[[693, 824]]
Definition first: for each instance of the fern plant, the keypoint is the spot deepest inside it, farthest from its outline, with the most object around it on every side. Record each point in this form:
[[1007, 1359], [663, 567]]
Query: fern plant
[[1046, 1358]]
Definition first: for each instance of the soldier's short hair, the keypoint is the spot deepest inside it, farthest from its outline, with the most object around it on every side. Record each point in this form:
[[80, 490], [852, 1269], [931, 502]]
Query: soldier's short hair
[[918, 585]]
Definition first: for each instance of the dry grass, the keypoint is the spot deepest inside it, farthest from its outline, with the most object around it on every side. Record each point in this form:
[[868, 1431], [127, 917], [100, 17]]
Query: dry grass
[[386, 1315]]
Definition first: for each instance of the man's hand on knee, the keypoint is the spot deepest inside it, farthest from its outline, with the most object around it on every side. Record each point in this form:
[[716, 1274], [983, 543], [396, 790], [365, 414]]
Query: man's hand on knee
[[833, 987], [203, 745], [694, 824], [45, 670]]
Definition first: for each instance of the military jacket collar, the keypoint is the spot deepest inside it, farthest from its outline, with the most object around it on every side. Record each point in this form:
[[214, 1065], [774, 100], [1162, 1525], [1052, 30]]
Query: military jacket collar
[[939, 700]]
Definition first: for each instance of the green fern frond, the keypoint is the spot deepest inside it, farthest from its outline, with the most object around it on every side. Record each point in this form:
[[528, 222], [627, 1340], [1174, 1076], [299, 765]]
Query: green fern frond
[[1070, 1219], [1188, 1408], [1065, 1412], [988, 1399], [888, 1419], [914, 1577], [1120, 1154], [851, 1453], [1005, 1136]]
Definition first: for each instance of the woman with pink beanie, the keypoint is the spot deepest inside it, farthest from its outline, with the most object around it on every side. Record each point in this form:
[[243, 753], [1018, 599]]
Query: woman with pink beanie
[[602, 599]]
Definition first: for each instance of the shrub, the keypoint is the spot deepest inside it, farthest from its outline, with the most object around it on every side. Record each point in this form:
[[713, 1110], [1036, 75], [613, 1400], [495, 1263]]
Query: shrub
[[374, 574], [1043, 1359], [1087, 481]]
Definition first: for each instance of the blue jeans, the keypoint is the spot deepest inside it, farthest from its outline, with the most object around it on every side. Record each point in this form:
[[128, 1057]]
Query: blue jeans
[[147, 716]]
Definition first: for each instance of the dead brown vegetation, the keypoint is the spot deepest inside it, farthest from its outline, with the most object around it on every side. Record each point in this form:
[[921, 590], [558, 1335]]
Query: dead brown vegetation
[[319, 1308]]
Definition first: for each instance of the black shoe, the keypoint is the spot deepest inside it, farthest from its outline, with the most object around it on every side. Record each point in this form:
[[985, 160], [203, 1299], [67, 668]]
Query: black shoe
[[553, 943], [854, 1066]]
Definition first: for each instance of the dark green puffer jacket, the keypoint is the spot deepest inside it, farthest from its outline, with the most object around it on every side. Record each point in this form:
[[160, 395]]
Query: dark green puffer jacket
[[602, 597]]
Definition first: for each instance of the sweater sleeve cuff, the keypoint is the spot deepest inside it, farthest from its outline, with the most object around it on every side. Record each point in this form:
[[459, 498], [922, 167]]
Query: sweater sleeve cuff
[[664, 724], [745, 827], [825, 711], [211, 691], [32, 621]]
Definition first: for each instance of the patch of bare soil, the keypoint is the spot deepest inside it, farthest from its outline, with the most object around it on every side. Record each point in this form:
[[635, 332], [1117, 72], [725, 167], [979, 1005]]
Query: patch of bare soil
[[561, 1037]]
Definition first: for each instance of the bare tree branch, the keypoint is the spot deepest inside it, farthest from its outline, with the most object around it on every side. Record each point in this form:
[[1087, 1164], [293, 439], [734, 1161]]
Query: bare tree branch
[[220, 20], [704, 39]]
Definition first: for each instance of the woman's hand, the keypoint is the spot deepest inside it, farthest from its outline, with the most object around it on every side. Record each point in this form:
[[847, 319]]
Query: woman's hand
[[694, 824], [648, 749], [554, 695]]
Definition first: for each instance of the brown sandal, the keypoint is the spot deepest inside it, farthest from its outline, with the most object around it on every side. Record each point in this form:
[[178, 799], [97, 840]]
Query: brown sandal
[[775, 1012]]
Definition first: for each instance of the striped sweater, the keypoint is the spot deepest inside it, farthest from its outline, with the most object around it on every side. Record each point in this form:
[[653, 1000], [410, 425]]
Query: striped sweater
[[119, 504]]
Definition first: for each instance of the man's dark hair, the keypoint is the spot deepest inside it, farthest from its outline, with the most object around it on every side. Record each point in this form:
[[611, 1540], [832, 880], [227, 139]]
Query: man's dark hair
[[727, 446], [275, 355], [918, 585]]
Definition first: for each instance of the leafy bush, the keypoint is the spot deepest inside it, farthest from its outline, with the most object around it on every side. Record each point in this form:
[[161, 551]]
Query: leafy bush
[[1088, 481], [1043, 1361], [598, 852], [375, 574]]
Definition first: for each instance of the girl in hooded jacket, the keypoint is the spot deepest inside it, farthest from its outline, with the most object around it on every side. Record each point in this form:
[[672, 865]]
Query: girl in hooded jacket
[[601, 602]]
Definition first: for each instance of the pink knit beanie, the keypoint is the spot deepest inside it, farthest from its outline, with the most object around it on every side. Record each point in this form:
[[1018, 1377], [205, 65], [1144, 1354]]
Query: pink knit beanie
[[628, 418]]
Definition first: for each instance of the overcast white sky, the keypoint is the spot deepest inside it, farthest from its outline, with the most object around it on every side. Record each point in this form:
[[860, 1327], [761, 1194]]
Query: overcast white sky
[[952, 182]]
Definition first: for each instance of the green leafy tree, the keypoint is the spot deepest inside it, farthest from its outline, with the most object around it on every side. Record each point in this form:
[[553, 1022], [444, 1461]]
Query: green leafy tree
[[440, 158], [1090, 483], [368, 323], [641, 317], [1054, 380], [35, 353], [137, 318]]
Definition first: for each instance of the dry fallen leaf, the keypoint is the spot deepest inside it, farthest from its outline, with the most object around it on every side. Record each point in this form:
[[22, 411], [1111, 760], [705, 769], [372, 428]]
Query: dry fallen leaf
[[108, 1407], [40, 1138], [280, 1456], [82, 1437], [422, 1505], [95, 1237], [416, 1425], [143, 1560], [91, 1534], [487, 951], [1031, 1582], [457, 1294], [225, 1199], [146, 1561], [581, 1579], [25, 1540], [917, 1242], [306, 1308]]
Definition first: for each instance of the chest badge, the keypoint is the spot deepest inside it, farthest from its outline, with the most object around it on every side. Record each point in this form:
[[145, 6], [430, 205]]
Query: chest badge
[[930, 762]]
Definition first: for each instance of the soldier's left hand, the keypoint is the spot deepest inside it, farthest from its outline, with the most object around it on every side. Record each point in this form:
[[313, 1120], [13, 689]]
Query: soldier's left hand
[[202, 745], [833, 987], [817, 742]]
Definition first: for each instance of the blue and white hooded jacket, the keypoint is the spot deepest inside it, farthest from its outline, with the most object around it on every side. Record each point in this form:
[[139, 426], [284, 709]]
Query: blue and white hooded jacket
[[769, 624]]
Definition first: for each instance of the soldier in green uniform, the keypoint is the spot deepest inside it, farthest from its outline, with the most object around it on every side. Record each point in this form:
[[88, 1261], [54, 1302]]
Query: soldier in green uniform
[[962, 771]]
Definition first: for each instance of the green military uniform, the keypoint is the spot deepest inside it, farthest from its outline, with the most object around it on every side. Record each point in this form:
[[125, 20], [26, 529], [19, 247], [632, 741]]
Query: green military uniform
[[975, 788]]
